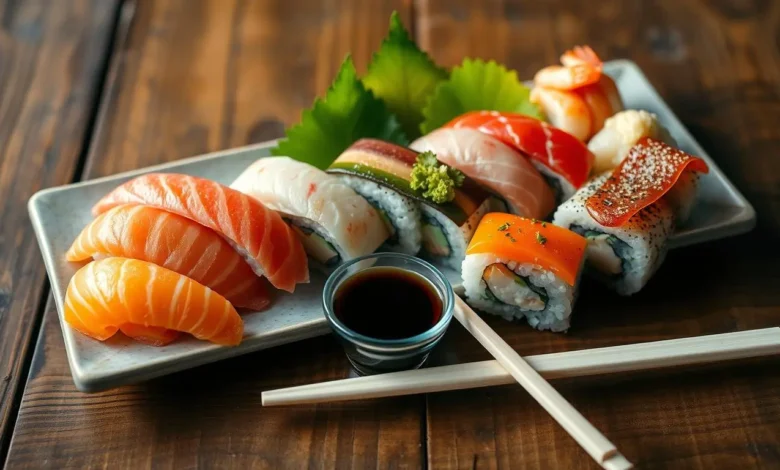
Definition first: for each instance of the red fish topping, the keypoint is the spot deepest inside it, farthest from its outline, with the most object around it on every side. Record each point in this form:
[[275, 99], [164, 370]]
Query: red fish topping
[[647, 173], [553, 148]]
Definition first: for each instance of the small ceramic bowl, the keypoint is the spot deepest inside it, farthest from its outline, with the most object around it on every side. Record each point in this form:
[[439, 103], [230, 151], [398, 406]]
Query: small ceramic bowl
[[373, 355]]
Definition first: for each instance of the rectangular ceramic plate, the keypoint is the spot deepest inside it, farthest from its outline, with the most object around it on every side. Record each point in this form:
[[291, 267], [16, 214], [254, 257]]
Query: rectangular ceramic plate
[[59, 214]]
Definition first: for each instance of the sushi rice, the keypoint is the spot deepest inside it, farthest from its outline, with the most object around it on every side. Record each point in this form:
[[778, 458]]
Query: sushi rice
[[625, 257], [400, 213], [537, 295]]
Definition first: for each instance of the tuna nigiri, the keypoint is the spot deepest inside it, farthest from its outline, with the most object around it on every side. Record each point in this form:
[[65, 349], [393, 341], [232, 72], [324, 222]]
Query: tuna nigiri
[[111, 294], [257, 233], [173, 242], [561, 158], [494, 165], [517, 267]]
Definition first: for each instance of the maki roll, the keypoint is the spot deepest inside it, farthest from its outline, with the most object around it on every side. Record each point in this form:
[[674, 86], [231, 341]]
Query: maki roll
[[563, 161], [523, 268], [623, 257], [628, 215], [495, 166], [417, 195], [380, 172], [334, 223]]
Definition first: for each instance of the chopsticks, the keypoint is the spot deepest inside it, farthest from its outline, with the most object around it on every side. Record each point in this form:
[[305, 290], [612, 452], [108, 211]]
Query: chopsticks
[[569, 364], [587, 436]]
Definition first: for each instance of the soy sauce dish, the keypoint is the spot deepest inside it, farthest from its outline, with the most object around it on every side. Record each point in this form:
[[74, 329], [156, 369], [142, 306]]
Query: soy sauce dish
[[388, 310]]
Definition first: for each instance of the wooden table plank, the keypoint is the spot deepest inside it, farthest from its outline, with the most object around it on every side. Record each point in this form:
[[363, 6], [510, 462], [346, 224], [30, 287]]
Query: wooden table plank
[[195, 77], [719, 71], [51, 62]]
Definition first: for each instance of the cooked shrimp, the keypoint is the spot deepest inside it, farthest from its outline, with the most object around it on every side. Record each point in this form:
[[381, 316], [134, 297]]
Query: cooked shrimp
[[565, 110], [581, 55], [581, 67]]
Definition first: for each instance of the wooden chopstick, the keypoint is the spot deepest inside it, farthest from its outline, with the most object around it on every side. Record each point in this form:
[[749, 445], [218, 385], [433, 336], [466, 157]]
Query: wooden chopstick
[[580, 429], [586, 362]]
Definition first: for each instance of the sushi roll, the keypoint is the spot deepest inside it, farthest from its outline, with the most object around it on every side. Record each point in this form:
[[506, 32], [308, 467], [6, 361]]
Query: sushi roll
[[523, 268], [334, 223], [563, 161], [379, 171], [628, 215], [623, 257], [495, 166]]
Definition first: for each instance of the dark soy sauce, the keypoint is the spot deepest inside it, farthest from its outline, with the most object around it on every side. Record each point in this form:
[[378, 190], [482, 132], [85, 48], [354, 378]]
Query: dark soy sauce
[[387, 303]]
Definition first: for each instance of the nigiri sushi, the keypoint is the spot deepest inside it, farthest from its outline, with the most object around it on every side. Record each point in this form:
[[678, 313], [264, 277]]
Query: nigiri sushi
[[522, 268], [106, 296], [173, 242], [494, 165], [564, 161], [334, 223], [257, 233], [379, 171], [576, 96]]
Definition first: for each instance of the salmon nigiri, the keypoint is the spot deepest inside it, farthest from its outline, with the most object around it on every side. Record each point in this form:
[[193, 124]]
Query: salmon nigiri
[[524, 268], [494, 165], [256, 232], [117, 293], [173, 242]]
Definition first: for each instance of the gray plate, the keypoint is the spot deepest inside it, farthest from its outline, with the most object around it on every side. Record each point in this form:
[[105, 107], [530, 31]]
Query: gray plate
[[59, 214]]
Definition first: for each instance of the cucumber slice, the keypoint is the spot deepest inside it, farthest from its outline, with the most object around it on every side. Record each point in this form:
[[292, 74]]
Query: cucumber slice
[[434, 240], [317, 247]]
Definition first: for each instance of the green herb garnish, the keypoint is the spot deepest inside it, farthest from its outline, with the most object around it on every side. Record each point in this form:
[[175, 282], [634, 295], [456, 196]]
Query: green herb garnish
[[541, 238], [346, 113], [504, 227], [403, 76], [436, 180], [544, 224], [476, 85]]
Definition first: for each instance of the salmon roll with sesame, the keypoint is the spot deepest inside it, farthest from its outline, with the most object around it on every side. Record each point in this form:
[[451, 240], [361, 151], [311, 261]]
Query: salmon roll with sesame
[[524, 268], [334, 223], [628, 215]]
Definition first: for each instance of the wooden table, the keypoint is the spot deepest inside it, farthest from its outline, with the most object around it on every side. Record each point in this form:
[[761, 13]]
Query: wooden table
[[93, 87]]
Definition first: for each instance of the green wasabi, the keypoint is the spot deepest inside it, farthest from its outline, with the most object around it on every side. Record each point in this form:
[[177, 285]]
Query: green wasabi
[[436, 180]]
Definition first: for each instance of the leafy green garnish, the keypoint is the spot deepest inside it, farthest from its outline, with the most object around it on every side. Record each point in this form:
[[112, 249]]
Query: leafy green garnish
[[348, 112], [403, 76], [436, 180], [476, 85]]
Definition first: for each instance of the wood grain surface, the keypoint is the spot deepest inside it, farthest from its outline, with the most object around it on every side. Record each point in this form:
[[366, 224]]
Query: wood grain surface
[[195, 76], [715, 64], [51, 63]]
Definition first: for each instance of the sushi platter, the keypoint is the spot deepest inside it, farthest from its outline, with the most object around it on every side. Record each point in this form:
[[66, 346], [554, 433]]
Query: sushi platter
[[100, 359]]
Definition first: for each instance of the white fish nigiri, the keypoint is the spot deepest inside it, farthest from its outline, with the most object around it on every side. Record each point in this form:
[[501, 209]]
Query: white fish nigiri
[[334, 222], [494, 165]]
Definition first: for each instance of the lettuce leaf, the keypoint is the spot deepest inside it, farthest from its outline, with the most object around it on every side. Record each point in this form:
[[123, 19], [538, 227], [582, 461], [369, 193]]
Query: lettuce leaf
[[476, 85], [346, 113], [403, 76]]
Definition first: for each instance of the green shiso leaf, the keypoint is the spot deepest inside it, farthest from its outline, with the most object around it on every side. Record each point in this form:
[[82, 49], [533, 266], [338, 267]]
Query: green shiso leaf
[[476, 85], [403, 76], [348, 112]]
